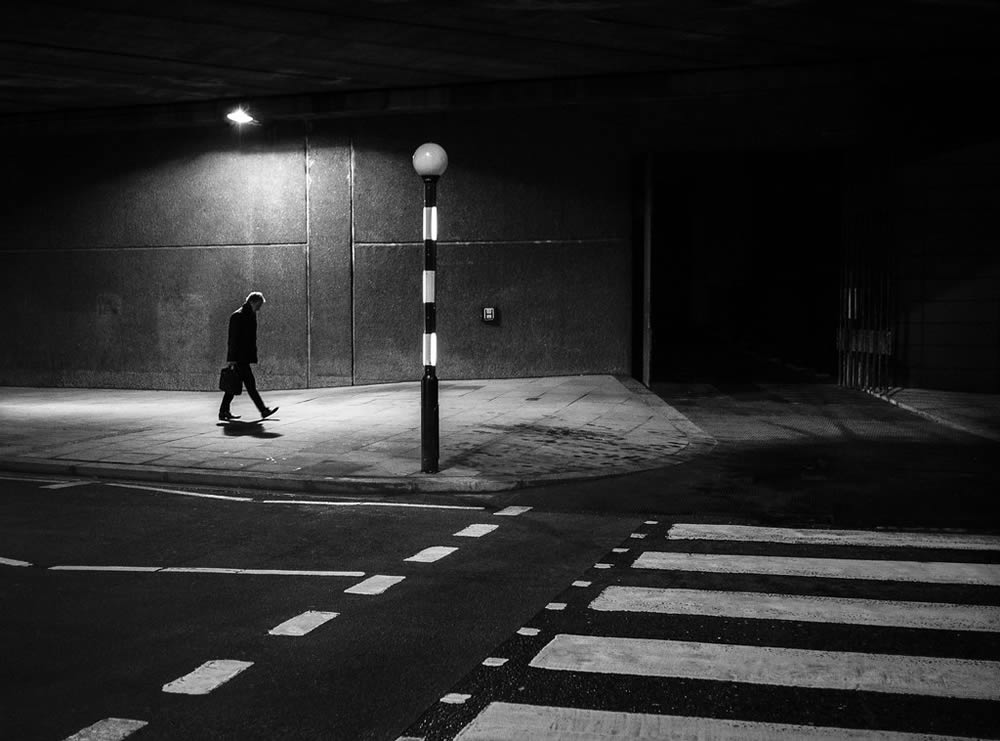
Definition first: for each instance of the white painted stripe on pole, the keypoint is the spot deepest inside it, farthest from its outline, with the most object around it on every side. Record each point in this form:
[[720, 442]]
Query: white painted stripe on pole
[[476, 531], [182, 493], [432, 554], [13, 562], [929, 572], [207, 677], [374, 584], [302, 624], [109, 729], [430, 222], [429, 286], [502, 721], [873, 538], [140, 569], [766, 665], [512, 511], [430, 348], [806, 608], [65, 485]]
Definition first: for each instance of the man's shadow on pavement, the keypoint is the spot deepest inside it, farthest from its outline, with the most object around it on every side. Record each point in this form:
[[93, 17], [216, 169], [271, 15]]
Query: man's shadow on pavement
[[239, 428]]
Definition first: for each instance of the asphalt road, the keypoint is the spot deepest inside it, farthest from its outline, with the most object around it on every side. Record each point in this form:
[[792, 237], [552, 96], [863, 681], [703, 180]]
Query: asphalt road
[[80, 646]]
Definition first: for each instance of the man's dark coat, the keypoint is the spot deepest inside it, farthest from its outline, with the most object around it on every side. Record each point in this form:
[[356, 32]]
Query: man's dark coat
[[242, 336]]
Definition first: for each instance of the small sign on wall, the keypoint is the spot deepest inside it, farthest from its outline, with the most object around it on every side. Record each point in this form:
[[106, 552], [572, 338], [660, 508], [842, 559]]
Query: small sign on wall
[[490, 315]]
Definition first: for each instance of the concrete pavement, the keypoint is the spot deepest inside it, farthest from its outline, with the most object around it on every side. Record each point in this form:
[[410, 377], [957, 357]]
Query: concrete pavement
[[495, 435]]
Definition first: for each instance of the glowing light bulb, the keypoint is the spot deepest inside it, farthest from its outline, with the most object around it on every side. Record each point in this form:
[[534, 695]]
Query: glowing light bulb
[[239, 116]]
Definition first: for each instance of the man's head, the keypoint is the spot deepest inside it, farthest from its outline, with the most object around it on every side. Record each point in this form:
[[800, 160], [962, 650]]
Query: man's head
[[256, 300]]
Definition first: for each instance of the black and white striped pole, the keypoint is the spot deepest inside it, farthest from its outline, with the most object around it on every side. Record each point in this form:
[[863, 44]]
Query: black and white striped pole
[[430, 161]]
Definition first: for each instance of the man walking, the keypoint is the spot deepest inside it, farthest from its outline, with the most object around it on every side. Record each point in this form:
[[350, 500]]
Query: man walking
[[242, 352]]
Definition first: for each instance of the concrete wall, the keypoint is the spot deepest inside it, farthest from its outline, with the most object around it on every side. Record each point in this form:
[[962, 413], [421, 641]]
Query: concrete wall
[[946, 228], [124, 254]]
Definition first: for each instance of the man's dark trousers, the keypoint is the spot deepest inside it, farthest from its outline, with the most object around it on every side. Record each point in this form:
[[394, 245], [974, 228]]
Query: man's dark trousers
[[250, 383]]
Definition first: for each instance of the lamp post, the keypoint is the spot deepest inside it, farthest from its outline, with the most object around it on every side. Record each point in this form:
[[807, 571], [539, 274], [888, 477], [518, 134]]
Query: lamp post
[[430, 161]]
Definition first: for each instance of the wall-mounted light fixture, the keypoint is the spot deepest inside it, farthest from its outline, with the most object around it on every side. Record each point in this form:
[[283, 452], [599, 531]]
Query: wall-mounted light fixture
[[240, 116]]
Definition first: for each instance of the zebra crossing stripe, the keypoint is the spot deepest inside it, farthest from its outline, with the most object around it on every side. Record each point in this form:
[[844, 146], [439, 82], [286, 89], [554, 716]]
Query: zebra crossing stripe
[[931, 572], [207, 677], [766, 665], [432, 554], [762, 606], [502, 721], [476, 531], [808, 536], [374, 584], [109, 729]]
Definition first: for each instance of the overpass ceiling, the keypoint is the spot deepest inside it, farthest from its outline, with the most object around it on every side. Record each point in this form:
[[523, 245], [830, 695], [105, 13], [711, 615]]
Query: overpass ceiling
[[66, 56]]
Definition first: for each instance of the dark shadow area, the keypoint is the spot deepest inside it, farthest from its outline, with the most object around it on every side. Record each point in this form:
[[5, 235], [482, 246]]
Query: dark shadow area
[[238, 428]]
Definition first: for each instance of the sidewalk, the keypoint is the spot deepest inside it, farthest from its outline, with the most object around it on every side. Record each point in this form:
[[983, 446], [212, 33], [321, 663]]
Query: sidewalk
[[977, 414], [495, 435]]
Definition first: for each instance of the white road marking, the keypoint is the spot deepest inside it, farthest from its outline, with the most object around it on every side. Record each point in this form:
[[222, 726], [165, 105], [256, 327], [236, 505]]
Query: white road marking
[[619, 550], [328, 503], [582, 583], [65, 485], [528, 632], [182, 493], [874, 538], [259, 572], [637, 535], [454, 698], [207, 570], [556, 606], [766, 665], [602, 566], [207, 677], [476, 531], [651, 522], [13, 562], [931, 572], [501, 721], [109, 729], [512, 511], [761, 606], [142, 569], [302, 624], [434, 553], [30, 481], [494, 661], [374, 584]]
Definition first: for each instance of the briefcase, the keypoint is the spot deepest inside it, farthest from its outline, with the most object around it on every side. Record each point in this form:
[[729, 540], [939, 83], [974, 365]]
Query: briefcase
[[230, 381]]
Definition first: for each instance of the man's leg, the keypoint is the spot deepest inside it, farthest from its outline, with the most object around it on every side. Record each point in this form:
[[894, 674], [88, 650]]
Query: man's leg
[[246, 373], [227, 400]]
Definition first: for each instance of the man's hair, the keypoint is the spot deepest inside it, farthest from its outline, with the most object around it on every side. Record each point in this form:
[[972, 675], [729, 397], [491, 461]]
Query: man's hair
[[255, 296]]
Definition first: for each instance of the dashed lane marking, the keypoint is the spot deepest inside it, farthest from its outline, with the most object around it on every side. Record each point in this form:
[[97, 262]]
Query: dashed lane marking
[[767, 665], [502, 721], [31, 481], [455, 698], [806, 608], [182, 493], [930, 572], [109, 729], [374, 584], [530, 632], [434, 553], [13, 562], [476, 531], [874, 538], [65, 485], [207, 677], [512, 511], [208, 570], [494, 661], [302, 624]]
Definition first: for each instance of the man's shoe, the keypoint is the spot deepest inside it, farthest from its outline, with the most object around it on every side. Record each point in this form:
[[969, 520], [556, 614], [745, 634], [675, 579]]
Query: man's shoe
[[268, 412], [226, 416]]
